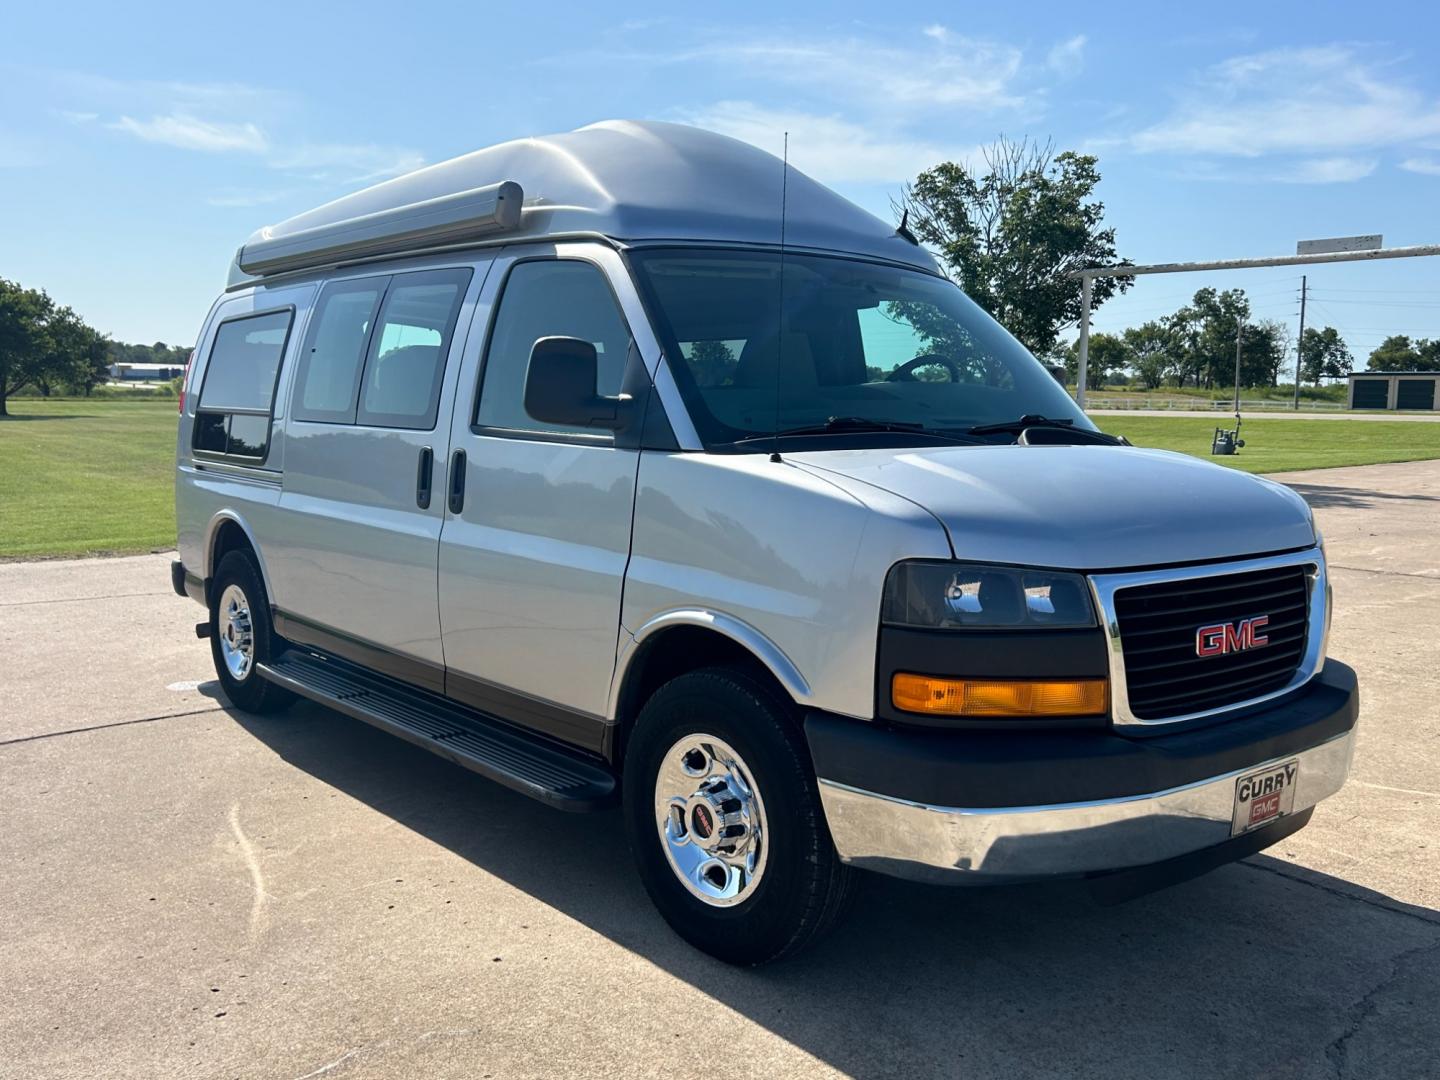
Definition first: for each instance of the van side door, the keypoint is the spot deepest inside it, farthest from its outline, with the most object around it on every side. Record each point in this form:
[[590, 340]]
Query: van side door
[[535, 545], [354, 564]]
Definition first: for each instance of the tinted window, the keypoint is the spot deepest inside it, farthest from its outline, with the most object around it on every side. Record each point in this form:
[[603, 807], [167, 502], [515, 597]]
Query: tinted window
[[549, 298], [233, 416], [401, 384], [335, 348], [244, 361], [854, 339]]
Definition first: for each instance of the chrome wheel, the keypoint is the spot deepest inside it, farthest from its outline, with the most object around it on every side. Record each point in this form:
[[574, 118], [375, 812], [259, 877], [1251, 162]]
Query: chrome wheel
[[236, 631], [711, 820]]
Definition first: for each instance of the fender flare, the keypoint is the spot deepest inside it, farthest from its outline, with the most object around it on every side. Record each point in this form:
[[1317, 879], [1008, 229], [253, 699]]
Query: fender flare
[[742, 633], [219, 518]]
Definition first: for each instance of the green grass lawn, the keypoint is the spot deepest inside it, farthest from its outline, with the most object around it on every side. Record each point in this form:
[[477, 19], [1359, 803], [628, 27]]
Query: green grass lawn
[[97, 476], [87, 476], [1283, 445]]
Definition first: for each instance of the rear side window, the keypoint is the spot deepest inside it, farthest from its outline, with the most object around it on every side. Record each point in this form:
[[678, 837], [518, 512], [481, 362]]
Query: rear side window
[[549, 298], [330, 363], [401, 384], [238, 394]]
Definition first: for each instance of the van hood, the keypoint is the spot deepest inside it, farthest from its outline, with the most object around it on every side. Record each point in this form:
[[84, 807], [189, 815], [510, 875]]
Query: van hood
[[1079, 507]]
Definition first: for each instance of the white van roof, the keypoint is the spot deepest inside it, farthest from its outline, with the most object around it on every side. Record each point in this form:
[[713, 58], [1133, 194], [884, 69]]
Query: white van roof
[[629, 180]]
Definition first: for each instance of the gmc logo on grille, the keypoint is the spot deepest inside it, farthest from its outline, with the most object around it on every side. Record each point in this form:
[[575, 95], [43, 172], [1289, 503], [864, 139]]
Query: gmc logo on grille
[[1221, 638]]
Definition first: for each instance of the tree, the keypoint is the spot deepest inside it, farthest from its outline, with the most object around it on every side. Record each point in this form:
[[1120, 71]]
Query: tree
[[712, 363], [1264, 345], [1399, 353], [1110, 355], [1012, 232], [1204, 332], [23, 313], [1323, 355], [1152, 349]]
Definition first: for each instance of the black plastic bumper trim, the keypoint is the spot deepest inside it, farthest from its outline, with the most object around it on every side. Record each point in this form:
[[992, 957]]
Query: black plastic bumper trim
[[1042, 768]]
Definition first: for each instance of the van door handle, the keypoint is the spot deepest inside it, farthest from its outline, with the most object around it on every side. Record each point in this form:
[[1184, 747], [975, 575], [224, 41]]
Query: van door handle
[[457, 481], [425, 478]]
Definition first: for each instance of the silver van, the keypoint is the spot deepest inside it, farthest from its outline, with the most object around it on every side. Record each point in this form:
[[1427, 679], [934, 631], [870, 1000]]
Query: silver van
[[625, 466]]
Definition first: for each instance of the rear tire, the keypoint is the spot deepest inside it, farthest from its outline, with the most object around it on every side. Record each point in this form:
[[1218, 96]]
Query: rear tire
[[724, 819], [241, 636]]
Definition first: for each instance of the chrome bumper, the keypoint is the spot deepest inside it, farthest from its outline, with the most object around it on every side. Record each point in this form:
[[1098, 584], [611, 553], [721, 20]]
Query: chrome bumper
[[964, 845]]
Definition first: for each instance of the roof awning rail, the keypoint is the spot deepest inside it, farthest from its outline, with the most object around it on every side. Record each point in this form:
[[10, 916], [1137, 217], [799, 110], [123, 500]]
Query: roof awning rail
[[465, 215]]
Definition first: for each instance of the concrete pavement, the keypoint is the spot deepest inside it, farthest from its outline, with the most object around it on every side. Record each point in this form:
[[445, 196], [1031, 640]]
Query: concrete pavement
[[192, 891]]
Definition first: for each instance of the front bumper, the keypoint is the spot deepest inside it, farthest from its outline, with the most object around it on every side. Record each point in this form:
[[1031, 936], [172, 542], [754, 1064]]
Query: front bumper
[[985, 807]]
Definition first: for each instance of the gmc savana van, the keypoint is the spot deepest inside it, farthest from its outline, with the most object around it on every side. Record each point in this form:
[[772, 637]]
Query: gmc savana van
[[562, 460]]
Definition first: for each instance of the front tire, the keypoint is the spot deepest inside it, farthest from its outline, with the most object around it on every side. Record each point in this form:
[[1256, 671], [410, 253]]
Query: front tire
[[241, 635], [724, 819]]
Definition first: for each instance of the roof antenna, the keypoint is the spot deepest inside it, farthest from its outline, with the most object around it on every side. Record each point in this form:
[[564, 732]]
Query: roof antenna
[[780, 318], [903, 229]]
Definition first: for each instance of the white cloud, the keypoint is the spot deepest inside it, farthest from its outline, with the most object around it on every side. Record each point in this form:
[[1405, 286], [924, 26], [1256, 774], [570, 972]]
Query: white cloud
[[237, 197], [225, 118], [191, 133], [954, 72], [356, 163], [1322, 100], [1327, 170], [829, 148], [936, 31], [1423, 166], [1068, 57]]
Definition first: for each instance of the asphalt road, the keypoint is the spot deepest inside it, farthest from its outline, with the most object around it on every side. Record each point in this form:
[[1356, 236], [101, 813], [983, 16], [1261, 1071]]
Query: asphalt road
[[190, 891]]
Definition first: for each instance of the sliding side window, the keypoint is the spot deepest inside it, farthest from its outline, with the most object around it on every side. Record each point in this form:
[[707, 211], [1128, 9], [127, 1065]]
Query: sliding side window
[[238, 395], [406, 365], [334, 354]]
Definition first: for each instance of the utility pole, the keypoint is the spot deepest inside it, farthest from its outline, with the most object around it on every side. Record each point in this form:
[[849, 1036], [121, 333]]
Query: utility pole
[[1300, 343]]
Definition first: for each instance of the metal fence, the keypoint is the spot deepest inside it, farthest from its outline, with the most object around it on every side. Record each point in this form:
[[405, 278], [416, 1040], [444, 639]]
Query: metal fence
[[1220, 405]]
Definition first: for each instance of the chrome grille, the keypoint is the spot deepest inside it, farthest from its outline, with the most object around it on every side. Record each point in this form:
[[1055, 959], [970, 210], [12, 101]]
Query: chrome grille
[[1163, 675]]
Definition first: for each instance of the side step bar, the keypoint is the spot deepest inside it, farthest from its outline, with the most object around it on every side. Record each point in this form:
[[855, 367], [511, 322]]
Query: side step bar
[[527, 763]]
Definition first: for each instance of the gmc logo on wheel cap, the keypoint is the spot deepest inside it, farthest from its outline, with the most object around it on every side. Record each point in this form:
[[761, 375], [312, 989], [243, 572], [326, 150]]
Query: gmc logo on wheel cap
[[1218, 639]]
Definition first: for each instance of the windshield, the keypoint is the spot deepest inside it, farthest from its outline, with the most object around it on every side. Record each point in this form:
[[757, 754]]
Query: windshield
[[859, 342]]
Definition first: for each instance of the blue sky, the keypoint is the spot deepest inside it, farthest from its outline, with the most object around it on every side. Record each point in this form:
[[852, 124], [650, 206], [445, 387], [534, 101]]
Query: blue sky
[[140, 144]]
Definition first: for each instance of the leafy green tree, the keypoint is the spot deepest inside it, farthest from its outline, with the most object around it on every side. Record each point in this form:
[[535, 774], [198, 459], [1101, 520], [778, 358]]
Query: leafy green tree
[[1324, 355], [23, 313], [1399, 353], [1012, 231], [712, 363], [1110, 357], [1152, 349], [1264, 346]]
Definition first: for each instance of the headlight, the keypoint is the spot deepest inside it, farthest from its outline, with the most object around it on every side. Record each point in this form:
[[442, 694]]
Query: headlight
[[938, 595]]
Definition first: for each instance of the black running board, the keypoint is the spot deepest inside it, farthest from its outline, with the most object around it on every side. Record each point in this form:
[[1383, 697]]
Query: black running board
[[529, 764]]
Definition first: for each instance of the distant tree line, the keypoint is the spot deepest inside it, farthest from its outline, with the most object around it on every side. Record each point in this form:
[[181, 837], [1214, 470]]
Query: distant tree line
[[1195, 346], [1399, 353], [46, 348]]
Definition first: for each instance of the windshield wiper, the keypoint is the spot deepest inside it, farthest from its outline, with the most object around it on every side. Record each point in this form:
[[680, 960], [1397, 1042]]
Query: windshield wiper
[[848, 424], [1008, 427], [1033, 420]]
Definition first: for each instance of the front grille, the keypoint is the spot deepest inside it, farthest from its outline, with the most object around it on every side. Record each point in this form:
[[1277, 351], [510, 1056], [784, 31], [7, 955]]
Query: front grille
[[1163, 675]]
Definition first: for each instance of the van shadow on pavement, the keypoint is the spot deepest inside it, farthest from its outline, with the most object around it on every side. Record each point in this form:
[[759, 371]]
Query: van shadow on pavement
[[1245, 972], [1326, 496]]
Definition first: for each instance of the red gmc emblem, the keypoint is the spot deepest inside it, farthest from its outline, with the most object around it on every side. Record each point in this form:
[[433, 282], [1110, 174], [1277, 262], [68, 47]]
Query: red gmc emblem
[[1221, 638]]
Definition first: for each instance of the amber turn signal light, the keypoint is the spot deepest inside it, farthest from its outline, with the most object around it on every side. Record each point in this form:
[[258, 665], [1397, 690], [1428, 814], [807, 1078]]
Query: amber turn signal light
[[937, 696]]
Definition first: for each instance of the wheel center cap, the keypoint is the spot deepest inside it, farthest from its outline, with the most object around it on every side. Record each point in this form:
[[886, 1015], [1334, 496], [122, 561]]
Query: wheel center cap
[[702, 821]]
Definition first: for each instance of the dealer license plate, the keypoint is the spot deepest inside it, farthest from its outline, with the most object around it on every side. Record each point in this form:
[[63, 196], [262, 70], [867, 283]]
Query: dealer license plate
[[1264, 796]]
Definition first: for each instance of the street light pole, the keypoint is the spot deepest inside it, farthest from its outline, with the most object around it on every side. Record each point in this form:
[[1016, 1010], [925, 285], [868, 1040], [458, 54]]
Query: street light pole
[[1239, 336], [1300, 343]]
